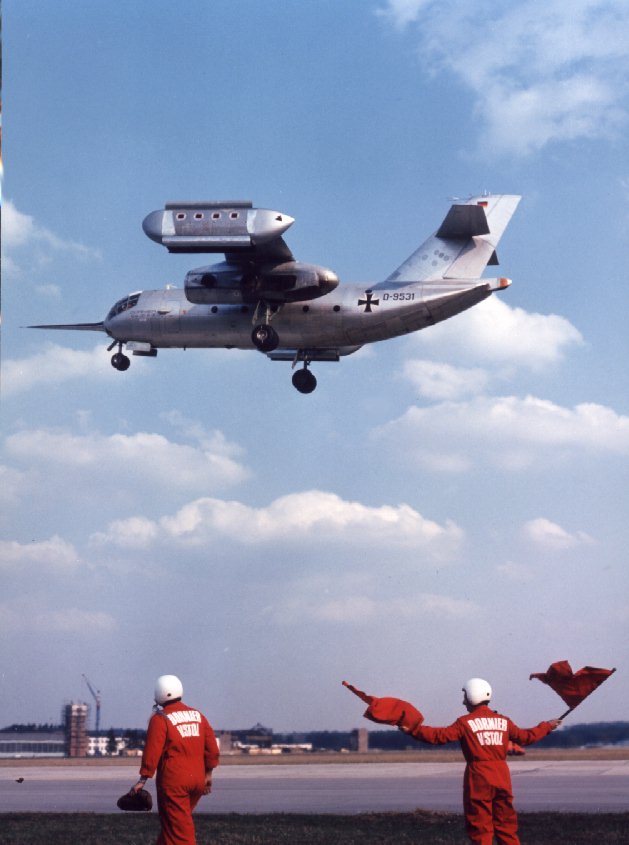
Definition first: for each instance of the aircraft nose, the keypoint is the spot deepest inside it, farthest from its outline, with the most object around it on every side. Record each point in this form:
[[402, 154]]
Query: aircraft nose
[[153, 226], [265, 225]]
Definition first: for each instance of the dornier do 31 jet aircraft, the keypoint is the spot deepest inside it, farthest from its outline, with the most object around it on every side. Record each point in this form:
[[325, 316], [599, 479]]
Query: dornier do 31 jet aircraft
[[261, 298]]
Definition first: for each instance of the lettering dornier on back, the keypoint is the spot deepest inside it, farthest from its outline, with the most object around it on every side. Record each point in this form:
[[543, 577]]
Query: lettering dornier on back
[[488, 724], [181, 716]]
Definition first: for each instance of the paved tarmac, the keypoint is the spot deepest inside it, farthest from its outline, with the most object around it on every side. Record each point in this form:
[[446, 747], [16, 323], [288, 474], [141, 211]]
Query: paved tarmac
[[585, 786]]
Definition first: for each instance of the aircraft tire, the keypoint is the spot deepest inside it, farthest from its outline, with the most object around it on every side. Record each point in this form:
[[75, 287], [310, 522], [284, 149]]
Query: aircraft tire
[[265, 338], [304, 381], [120, 362]]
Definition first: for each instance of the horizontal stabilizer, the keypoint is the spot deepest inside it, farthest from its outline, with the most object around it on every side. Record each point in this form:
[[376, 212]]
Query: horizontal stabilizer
[[464, 221], [464, 244]]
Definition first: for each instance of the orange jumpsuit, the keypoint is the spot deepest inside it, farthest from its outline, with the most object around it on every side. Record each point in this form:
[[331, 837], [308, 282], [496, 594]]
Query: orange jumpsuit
[[181, 745], [487, 794]]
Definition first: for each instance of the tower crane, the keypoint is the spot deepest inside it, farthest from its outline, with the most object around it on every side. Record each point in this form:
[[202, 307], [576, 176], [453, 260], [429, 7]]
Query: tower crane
[[96, 696]]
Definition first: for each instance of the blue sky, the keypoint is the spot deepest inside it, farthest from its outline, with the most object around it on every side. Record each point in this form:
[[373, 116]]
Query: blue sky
[[444, 505]]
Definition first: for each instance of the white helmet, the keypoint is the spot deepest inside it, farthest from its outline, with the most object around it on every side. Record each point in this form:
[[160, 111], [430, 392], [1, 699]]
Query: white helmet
[[167, 688], [477, 691]]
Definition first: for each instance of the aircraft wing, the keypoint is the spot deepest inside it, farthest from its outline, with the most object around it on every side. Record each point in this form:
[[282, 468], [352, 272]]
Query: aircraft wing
[[463, 245], [258, 266]]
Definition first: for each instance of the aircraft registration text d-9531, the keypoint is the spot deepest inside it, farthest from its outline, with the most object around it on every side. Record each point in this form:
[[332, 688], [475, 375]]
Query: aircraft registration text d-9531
[[399, 296]]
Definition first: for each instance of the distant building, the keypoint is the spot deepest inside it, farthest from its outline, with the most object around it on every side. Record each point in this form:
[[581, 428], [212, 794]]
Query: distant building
[[360, 740], [75, 721], [256, 737], [224, 739], [101, 745], [32, 744]]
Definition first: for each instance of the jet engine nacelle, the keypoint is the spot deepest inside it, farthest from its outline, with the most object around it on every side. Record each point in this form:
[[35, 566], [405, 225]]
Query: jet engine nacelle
[[218, 284], [294, 281], [226, 283]]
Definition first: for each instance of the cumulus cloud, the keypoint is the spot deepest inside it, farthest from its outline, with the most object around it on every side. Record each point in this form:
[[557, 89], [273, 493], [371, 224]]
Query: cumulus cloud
[[494, 332], [366, 609], [539, 73], [53, 554], [549, 535], [56, 364], [319, 517], [21, 232], [514, 571], [443, 381], [13, 484], [507, 432], [24, 616], [144, 458]]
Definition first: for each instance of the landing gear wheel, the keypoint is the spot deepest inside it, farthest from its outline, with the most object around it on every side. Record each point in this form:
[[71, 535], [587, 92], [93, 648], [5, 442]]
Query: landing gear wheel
[[304, 381], [264, 337], [120, 361]]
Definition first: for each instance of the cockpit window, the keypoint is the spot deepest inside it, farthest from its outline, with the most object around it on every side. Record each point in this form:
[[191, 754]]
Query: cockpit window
[[124, 305]]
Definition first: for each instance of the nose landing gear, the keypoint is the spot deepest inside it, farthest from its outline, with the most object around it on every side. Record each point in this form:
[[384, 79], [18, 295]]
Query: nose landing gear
[[119, 361]]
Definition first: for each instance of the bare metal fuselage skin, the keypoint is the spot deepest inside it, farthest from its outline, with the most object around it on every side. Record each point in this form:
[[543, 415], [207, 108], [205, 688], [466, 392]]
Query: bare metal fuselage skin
[[344, 319]]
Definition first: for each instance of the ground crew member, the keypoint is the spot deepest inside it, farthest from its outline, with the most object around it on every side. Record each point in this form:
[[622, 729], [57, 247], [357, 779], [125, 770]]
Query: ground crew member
[[484, 736], [181, 745]]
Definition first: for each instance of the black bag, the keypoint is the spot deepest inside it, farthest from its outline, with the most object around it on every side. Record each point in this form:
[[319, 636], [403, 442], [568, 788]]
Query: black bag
[[140, 801]]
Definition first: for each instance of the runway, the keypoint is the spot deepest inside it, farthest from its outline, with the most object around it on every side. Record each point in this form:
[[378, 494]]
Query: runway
[[575, 785]]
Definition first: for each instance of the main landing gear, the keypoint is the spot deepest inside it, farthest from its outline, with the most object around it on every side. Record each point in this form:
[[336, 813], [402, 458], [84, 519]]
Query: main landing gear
[[304, 380], [119, 361], [264, 336]]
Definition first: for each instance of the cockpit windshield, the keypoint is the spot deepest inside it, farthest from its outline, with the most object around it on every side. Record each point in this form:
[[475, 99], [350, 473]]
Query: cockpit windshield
[[124, 305]]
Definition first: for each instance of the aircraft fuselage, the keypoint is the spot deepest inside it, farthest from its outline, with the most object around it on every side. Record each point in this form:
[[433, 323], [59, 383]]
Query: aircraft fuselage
[[350, 316]]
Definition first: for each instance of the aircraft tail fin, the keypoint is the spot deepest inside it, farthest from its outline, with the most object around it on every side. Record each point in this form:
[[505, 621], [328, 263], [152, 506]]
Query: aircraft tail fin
[[463, 245]]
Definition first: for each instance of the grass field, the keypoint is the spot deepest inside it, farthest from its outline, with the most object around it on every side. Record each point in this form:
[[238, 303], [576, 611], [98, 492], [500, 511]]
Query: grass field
[[276, 829]]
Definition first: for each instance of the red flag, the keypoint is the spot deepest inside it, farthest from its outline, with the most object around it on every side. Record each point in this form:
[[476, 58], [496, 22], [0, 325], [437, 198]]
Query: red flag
[[572, 687], [388, 711], [362, 695]]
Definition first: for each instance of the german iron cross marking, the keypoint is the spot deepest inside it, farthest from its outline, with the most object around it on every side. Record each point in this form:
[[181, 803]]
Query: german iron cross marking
[[368, 302]]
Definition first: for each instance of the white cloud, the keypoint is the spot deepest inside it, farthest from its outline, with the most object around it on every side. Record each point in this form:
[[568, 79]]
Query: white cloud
[[55, 554], [212, 440], [13, 484], [320, 518], [504, 336], [25, 616], [403, 12], [443, 381], [50, 291], [21, 232], [540, 72], [55, 365], [551, 536], [515, 571], [136, 532], [144, 459], [364, 609], [506, 432]]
